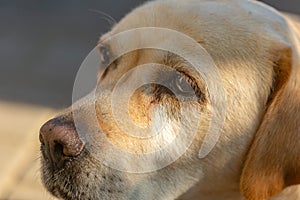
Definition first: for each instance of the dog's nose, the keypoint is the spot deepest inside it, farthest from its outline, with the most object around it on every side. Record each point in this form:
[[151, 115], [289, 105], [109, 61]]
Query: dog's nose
[[60, 139]]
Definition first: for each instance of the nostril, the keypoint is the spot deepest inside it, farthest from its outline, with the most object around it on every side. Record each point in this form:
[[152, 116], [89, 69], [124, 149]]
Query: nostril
[[41, 139], [58, 149]]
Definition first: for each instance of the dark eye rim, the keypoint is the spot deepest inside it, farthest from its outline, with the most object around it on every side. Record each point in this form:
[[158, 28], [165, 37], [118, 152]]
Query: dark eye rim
[[190, 80], [106, 63], [105, 54], [193, 84], [200, 95]]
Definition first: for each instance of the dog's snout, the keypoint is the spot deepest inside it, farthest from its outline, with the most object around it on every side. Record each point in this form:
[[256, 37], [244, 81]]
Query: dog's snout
[[60, 139]]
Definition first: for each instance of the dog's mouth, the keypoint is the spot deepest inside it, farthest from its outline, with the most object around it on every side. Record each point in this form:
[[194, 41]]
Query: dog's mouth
[[61, 192], [54, 184], [58, 192], [62, 180], [57, 189], [81, 177]]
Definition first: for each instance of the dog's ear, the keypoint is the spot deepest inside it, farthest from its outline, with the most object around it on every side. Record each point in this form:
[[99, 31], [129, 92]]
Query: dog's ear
[[273, 160]]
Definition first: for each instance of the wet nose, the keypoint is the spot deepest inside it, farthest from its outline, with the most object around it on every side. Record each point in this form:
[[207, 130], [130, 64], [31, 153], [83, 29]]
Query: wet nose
[[60, 139]]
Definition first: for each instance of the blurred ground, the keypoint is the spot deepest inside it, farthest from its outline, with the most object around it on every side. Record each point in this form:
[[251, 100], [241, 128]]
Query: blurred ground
[[42, 44], [19, 169]]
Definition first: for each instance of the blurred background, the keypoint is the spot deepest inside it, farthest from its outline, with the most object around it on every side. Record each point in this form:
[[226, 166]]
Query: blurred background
[[42, 44]]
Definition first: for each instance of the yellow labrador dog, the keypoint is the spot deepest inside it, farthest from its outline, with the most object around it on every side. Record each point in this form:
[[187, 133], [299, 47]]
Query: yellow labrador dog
[[252, 73]]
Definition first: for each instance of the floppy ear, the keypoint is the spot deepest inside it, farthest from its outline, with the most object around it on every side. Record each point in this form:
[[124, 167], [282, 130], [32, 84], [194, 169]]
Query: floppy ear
[[273, 161]]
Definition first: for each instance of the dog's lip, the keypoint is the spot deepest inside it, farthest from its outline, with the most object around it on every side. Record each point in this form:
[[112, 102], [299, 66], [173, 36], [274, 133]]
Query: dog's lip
[[54, 186], [58, 193]]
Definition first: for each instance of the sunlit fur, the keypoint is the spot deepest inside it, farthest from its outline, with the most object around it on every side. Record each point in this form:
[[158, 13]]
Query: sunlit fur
[[256, 50]]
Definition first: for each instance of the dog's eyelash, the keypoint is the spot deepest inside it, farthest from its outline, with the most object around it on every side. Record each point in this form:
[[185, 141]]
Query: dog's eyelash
[[177, 86], [192, 82]]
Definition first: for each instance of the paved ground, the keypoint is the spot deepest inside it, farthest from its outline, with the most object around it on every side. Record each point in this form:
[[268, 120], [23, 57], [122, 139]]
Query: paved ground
[[42, 44]]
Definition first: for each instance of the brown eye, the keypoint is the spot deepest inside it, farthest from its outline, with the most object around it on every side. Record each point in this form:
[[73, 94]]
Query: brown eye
[[104, 55], [182, 85]]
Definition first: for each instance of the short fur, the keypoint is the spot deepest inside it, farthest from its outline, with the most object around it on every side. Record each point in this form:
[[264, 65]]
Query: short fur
[[257, 52]]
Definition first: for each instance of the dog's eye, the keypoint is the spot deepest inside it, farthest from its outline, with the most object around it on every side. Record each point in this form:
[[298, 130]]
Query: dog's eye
[[184, 86], [181, 84], [104, 55]]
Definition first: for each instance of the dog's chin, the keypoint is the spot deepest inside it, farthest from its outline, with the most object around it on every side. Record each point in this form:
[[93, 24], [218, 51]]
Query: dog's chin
[[81, 178], [71, 180], [60, 182]]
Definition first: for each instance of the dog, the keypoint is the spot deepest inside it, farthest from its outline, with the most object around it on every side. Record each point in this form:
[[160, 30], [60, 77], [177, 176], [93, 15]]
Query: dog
[[253, 71]]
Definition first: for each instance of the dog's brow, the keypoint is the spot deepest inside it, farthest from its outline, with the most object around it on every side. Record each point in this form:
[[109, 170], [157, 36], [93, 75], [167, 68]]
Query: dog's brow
[[172, 59], [176, 62]]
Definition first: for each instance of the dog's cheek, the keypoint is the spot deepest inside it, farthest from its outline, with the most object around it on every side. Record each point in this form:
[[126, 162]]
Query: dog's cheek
[[140, 107]]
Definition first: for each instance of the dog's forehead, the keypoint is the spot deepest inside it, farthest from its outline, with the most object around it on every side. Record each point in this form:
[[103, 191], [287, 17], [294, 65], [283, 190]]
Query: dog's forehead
[[190, 16], [221, 27]]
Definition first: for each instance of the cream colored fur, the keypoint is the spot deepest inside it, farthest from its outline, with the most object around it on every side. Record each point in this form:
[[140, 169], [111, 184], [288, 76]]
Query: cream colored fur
[[256, 50]]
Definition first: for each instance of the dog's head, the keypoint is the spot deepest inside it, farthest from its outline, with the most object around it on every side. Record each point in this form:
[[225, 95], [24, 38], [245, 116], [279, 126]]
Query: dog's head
[[138, 135]]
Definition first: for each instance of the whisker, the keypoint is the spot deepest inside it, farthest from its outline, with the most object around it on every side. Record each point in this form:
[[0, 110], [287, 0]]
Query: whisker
[[105, 16]]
